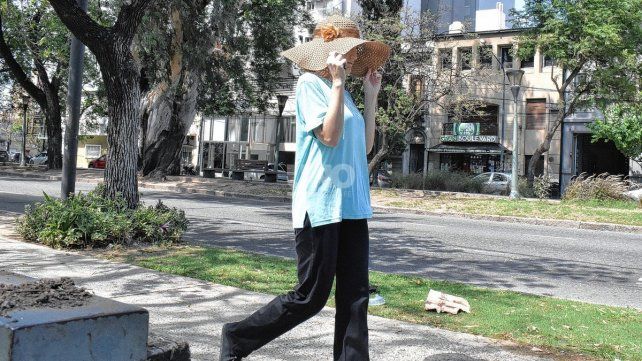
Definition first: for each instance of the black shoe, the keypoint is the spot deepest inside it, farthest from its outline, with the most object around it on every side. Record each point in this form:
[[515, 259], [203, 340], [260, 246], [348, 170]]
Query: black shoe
[[226, 347]]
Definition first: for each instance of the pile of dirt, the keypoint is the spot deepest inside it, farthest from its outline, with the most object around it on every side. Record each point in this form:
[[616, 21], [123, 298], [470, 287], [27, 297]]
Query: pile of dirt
[[52, 293]]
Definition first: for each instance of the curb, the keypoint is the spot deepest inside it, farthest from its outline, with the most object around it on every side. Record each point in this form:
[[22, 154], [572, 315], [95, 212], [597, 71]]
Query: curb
[[608, 227], [215, 192]]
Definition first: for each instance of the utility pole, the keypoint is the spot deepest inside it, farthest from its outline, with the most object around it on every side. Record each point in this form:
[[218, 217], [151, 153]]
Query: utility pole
[[69, 161]]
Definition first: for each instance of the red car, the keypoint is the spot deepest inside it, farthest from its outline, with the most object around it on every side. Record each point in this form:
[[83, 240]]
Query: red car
[[99, 162]]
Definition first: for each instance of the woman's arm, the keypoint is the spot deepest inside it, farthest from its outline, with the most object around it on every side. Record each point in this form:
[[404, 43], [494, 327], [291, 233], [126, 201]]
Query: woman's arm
[[329, 132], [371, 87]]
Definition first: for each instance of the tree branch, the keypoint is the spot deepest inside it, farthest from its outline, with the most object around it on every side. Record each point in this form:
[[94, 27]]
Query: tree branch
[[16, 69], [130, 17], [80, 23]]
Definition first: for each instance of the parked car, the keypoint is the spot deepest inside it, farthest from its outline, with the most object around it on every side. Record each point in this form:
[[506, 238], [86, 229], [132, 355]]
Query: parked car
[[281, 175], [4, 156], [99, 163], [39, 159], [635, 194], [495, 182]]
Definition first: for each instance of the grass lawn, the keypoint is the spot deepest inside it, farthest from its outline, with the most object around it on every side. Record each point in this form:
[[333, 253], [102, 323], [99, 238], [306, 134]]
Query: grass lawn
[[618, 212], [563, 327]]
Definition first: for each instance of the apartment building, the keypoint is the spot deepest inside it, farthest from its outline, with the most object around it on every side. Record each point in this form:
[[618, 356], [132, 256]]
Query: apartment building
[[482, 141]]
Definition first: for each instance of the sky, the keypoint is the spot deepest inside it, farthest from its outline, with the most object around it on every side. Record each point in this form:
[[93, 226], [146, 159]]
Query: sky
[[490, 4]]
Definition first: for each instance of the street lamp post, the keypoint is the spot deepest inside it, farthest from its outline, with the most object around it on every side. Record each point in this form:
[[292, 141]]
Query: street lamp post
[[515, 80], [25, 105], [282, 99]]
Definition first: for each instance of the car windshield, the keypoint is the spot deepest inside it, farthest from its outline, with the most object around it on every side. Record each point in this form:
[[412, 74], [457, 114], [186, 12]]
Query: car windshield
[[484, 177]]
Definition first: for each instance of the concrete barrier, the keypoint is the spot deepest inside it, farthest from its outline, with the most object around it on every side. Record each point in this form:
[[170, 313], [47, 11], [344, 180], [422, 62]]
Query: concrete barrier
[[101, 329]]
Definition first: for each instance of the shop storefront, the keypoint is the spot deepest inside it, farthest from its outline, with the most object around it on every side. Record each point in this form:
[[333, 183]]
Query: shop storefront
[[466, 150]]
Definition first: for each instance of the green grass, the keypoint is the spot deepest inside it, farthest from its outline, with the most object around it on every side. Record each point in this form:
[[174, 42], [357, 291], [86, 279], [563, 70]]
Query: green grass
[[552, 324], [616, 212]]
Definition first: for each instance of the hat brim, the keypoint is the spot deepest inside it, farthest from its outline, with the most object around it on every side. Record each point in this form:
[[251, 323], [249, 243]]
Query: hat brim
[[313, 55]]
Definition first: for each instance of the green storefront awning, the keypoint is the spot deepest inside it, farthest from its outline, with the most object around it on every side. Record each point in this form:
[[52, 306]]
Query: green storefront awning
[[469, 148]]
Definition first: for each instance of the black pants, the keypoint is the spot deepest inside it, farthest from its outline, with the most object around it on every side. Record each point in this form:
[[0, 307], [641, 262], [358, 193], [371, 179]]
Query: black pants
[[339, 249]]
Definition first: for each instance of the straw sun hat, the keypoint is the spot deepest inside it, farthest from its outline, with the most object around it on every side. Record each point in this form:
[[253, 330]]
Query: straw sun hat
[[339, 34]]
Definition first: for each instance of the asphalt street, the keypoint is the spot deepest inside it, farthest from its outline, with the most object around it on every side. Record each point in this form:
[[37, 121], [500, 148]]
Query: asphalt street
[[586, 265]]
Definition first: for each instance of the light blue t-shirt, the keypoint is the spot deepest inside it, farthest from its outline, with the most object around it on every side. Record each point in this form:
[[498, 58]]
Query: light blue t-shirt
[[330, 183]]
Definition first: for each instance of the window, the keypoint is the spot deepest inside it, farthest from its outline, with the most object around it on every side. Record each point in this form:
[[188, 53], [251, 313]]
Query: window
[[186, 156], [465, 58], [309, 5], [535, 114], [416, 86], [528, 62], [446, 58], [486, 56], [499, 178], [93, 150], [548, 61], [245, 127], [288, 130], [506, 56]]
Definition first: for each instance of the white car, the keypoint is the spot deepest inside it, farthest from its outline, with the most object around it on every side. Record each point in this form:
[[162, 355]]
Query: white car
[[495, 182], [39, 159], [635, 194]]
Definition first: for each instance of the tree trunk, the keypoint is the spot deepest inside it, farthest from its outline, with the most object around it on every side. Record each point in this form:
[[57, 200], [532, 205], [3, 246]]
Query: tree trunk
[[53, 127], [545, 146], [167, 125], [121, 76], [171, 106], [380, 156]]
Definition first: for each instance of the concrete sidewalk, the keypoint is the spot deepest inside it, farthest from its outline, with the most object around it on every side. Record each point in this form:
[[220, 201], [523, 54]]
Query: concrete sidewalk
[[195, 310]]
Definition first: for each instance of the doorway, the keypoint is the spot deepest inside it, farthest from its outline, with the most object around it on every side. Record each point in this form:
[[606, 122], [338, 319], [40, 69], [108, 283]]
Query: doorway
[[599, 157]]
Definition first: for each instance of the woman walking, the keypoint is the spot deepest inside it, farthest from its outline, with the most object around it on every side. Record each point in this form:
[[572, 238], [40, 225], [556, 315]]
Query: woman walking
[[330, 197]]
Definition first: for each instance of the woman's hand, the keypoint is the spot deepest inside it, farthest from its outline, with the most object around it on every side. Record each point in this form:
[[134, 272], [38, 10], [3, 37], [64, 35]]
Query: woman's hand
[[372, 84], [336, 63]]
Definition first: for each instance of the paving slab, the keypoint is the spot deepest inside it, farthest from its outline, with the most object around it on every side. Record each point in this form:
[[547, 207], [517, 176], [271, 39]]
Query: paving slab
[[195, 311]]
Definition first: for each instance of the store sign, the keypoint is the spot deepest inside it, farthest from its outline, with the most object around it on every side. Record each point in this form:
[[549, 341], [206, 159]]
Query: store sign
[[468, 132], [470, 138]]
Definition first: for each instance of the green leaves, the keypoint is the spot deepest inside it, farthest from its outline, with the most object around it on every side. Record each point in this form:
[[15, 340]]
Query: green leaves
[[91, 220], [600, 38], [622, 124]]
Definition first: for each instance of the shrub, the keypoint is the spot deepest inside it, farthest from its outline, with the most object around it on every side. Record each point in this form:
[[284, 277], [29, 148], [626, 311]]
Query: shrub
[[92, 220], [596, 187], [542, 186], [525, 190], [438, 181]]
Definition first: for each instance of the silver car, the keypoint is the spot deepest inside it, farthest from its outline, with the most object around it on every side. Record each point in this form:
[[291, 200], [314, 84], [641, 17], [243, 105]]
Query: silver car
[[41, 158], [495, 182]]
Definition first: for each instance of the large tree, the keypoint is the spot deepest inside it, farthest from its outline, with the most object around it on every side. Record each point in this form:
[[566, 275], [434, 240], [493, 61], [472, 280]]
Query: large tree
[[34, 42], [112, 47], [217, 58], [595, 43], [622, 124]]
